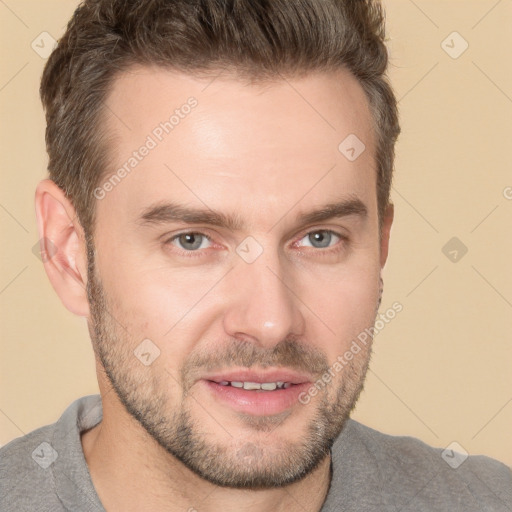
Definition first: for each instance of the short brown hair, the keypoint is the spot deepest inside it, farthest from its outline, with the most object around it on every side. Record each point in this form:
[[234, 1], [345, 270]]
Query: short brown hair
[[256, 39]]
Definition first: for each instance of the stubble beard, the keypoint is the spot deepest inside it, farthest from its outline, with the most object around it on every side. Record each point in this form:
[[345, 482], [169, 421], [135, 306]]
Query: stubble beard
[[261, 463]]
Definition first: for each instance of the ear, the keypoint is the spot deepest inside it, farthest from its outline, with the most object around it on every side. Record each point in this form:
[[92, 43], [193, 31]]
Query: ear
[[62, 245], [385, 232]]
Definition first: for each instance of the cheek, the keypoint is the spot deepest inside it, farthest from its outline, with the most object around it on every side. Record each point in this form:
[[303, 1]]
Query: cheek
[[154, 291], [170, 308], [345, 305], [354, 283]]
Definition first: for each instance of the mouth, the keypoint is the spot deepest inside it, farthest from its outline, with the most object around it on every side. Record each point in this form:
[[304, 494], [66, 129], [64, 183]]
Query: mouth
[[256, 386], [257, 393]]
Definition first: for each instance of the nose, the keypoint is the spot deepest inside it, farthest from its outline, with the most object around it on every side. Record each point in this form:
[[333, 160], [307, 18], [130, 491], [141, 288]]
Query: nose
[[263, 307]]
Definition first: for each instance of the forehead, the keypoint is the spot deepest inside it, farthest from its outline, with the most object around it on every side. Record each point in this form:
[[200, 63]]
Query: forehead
[[218, 141]]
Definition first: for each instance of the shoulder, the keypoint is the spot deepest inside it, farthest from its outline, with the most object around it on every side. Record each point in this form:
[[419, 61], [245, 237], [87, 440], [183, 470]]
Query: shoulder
[[408, 473], [23, 468], [31, 466], [405, 451]]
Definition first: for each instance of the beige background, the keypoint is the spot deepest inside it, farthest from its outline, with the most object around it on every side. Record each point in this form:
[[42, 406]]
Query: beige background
[[442, 368]]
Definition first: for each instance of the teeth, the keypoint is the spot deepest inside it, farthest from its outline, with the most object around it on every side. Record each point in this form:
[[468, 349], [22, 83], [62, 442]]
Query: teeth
[[252, 385], [265, 386]]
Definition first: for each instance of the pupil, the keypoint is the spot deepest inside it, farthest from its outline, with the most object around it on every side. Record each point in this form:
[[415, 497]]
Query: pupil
[[193, 241], [320, 239]]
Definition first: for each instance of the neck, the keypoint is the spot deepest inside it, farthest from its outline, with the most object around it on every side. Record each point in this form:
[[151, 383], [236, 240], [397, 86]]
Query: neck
[[131, 471]]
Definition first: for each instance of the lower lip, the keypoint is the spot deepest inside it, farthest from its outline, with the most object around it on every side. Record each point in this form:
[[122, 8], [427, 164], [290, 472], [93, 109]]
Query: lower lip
[[257, 402]]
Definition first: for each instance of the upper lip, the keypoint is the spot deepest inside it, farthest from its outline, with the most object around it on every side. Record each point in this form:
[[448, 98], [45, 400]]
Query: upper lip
[[260, 376]]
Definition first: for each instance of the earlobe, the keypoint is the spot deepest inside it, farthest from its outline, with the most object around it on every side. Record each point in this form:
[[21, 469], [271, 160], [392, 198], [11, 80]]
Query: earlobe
[[62, 245], [385, 232]]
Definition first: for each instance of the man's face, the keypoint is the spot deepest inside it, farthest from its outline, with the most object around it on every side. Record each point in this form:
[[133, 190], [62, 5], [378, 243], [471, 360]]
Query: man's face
[[271, 297]]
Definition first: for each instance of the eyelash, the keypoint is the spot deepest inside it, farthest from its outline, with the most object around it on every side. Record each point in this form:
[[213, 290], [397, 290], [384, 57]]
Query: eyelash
[[326, 251]]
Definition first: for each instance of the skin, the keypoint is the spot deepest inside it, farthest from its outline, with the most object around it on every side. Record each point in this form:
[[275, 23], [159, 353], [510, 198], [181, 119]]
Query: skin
[[267, 155]]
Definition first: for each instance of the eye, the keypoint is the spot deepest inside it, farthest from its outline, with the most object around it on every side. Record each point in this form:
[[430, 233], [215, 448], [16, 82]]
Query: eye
[[190, 241], [321, 239]]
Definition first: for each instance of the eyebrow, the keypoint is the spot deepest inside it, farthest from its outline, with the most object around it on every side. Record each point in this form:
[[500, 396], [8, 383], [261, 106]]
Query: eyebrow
[[167, 212]]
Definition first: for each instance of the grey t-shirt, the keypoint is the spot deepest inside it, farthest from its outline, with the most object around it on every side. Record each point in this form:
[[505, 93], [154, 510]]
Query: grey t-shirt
[[46, 471]]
